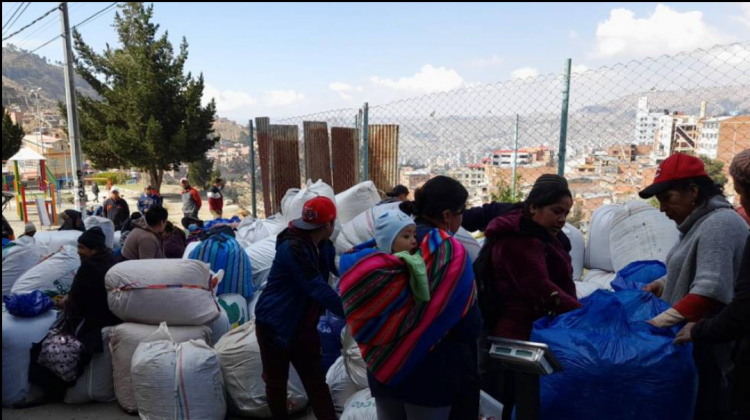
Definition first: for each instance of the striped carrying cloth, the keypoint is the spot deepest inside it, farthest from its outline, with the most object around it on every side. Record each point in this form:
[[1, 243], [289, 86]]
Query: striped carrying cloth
[[394, 331], [223, 252]]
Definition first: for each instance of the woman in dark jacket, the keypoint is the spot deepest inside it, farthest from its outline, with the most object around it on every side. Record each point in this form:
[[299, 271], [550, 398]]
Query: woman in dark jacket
[[733, 323], [448, 378], [86, 309], [532, 275]]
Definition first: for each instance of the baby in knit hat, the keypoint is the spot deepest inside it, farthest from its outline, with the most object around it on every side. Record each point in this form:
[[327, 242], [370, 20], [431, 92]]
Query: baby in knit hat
[[396, 233]]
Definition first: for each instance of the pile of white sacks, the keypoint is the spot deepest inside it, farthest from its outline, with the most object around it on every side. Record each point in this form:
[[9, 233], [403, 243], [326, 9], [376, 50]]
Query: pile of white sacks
[[618, 236], [47, 263], [352, 399]]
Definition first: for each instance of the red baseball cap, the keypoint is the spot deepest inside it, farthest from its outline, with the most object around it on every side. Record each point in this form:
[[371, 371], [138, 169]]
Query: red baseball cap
[[317, 213], [675, 168]]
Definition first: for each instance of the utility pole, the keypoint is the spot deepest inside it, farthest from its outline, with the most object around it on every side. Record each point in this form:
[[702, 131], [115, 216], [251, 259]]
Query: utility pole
[[74, 134]]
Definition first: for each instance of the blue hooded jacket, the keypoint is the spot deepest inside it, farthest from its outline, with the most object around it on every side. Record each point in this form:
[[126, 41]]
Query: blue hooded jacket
[[298, 279]]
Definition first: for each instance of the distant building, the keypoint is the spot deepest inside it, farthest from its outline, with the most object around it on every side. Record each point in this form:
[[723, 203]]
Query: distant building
[[538, 156], [647, 121]]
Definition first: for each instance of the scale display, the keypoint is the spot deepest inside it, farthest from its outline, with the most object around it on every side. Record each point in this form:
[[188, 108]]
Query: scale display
[[524, 356]]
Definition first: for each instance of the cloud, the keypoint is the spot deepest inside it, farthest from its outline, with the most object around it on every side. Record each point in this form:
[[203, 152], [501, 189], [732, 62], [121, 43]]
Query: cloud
[[429, 79], [666, 31], [744, 18], [345, 90], [572, 34], [524, 73], [227, 100], [278, 98], [579, 68], [492, 61]]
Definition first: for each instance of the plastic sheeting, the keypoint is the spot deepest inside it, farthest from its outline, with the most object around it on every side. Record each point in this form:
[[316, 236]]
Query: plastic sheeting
[[357, 200], [19, 334], [356, 366], [19, 258], [28, 306], [361, 406], [341, 386], [97, 383], [577, 251], [616, 366], [639, 274], [107, 226]]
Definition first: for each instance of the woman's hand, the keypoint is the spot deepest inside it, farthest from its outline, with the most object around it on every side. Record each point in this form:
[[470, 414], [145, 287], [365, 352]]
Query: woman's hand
[[657, 288], [60, 304], [685, 335]]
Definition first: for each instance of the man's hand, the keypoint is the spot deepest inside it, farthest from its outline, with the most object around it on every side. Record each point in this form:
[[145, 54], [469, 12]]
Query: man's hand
[[685, 335], [657, 288]]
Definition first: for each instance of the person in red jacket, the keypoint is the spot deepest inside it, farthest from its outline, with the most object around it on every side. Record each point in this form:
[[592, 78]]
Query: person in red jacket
[[532, 274], [191, 200], [216, 199]]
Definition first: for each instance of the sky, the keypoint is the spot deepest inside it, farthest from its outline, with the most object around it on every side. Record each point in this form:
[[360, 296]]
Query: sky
[[284, 59]]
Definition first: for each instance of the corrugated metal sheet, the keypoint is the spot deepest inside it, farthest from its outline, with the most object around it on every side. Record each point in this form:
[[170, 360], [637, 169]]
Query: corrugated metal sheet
[[284, 162], [317, 152], [383, 154], [264, 151], [345, 150]]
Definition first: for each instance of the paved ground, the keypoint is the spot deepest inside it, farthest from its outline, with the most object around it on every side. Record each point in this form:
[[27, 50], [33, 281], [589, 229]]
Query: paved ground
[[86, 412]]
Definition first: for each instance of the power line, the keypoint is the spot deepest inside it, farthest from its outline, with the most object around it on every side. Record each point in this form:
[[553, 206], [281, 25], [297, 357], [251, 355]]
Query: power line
[[19, 16], [8, 24], [85, 21], [18, 7], [50, 22], [31, 24]]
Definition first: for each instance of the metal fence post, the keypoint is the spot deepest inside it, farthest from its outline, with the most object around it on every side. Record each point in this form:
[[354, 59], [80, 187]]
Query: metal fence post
[[563, 150], [365, 142], [253, 184], [515, 161]]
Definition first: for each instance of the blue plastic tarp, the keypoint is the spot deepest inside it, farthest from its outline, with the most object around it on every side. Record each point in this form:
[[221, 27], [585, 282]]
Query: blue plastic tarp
[[616, 366], [638, 275]]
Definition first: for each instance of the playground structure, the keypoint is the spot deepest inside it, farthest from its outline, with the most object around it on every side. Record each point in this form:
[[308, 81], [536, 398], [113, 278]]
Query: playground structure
[[45, 198]]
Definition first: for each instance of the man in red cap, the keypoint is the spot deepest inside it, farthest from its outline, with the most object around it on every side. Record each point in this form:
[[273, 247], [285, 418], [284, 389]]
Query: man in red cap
[[288, 311]]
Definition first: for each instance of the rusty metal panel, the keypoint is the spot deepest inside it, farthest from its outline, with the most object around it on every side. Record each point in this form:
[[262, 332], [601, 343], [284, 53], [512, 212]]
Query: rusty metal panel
[[285, 163], [264, 151], [383, 155], [317, 152], [345, 150]]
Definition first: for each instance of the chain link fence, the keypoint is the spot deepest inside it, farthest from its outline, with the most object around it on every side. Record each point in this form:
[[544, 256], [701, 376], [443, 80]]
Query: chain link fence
[[622, 121]]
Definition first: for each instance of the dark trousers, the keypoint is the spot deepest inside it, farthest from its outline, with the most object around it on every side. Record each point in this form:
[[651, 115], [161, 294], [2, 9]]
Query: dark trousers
[[714, 362], [305, 356]]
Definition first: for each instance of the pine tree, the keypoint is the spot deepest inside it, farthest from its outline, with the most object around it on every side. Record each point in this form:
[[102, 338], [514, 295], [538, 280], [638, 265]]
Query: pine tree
[[12, 136], [149, 114]]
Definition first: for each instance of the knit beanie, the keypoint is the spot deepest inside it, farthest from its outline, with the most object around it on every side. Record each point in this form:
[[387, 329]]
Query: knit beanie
[[93, 238], [740, 169], [387, 228]]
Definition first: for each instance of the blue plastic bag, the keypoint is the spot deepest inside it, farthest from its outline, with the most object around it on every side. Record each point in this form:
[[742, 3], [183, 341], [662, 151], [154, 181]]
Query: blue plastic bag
[[28, 305], [616, 366], [638, 275], [329, 329]]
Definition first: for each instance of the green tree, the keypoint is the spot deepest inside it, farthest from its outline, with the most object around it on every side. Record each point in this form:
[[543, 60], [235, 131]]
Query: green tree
[[150, 113], [504, 192], [715, 169], [12, 136], [200, 173]]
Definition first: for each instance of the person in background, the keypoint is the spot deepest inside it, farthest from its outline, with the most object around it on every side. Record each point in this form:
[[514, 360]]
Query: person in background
[[116, 209], [440, 204], [288, 311], [149, 199], [530, 274], [71, 220], [146, 241], [733, 323], [128, 227], [95, 191], [174, 242], [216, 199], [194, 228], [191, 200], [398, 194], [29, 230], [701, 268], [86, 307]]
